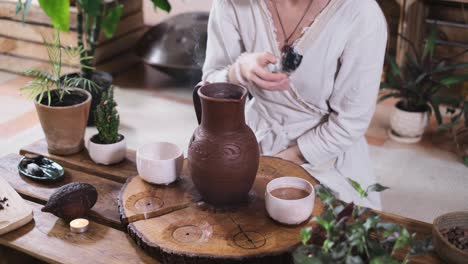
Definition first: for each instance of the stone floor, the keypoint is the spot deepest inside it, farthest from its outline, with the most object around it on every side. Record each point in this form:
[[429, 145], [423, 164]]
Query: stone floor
[[426, 179]]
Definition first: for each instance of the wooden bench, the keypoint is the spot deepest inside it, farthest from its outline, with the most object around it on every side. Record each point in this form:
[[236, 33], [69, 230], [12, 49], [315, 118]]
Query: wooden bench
[[48, 238]]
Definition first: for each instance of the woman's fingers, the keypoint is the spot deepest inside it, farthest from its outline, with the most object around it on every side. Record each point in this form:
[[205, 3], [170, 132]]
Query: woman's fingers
[[266, 58], [269, 76], [271, 86]]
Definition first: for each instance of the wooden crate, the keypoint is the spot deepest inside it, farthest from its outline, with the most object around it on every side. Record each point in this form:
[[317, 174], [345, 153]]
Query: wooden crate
[[21, 42]]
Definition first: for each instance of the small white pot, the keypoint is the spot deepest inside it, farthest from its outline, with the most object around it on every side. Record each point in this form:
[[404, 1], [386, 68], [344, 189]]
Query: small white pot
[[107, 154], [408, 127]]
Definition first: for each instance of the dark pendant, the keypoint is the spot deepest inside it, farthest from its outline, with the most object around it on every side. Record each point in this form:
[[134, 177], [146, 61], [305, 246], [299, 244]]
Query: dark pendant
[[290, 59]]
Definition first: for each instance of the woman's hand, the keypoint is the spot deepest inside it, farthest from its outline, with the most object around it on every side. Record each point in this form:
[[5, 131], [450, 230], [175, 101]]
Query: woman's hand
[[252, 67], [292, 154]]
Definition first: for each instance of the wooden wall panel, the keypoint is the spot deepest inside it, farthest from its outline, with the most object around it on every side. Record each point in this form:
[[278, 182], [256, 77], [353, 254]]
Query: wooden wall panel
[[391, 10]]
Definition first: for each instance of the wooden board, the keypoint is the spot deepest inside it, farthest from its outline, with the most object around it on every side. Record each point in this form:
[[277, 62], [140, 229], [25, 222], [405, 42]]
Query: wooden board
[[37, 16], [48, 238], [18, 64], [82, 162], [33, 32], [105, 210], [16, 212], [38, 51], [172, 224]]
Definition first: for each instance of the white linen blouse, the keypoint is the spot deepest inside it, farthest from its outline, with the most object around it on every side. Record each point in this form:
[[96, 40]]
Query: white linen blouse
[[332, 96]]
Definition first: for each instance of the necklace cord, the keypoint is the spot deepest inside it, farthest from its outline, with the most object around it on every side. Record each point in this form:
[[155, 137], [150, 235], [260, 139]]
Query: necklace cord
[[286, 39]]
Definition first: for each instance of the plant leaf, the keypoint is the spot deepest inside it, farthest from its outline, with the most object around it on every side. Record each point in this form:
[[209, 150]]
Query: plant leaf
[[162, 4], [436, 108], [58, 11], [354, 260], [429, 47], [386, 259], [387, 96], [421, 247], [404, 239], [26, 6], [371, 222], [19, 7], [357, 187], [376, 188], [451, 80], [90, 7], [450, 68], [394, 68], [111, 20], [306, 234], [322, 222]]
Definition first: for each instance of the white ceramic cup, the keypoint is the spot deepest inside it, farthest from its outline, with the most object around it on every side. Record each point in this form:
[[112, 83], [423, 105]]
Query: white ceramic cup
[[290, 212], [160, 162]]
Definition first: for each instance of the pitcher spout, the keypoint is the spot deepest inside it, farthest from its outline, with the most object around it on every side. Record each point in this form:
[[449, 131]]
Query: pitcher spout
[[220, 106]]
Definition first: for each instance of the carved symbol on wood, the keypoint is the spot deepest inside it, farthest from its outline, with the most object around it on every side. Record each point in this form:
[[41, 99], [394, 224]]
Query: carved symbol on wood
[[249, 240], [187, 234], [144, 202]]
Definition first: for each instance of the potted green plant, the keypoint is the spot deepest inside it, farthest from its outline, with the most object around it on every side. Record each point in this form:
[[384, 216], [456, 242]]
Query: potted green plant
[[92, 18], [418, 84], [108, 146], [62, 108], [347, 233]]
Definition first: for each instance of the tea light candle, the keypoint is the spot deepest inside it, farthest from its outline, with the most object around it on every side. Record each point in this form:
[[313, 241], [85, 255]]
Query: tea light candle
[[79, 225]]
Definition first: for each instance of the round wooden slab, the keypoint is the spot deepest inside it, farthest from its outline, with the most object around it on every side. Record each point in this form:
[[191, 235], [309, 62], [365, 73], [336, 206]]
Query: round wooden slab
[[172, 224]]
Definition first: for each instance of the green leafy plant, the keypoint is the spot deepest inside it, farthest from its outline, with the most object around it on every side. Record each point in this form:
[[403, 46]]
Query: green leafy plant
[[107, 119], [348, 234], [92, 17], [47, 81], [419, 82]]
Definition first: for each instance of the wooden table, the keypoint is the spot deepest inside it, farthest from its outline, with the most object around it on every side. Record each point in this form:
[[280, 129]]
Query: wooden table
[[48, 238]]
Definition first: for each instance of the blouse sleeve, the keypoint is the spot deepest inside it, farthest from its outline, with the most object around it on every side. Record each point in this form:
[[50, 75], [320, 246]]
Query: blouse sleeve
[[224, 42], [354, 95]]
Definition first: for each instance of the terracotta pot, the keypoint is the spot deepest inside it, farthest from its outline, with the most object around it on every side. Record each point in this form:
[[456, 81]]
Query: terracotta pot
[[107, 154], [409, 126], [64, 126], [223, 153]]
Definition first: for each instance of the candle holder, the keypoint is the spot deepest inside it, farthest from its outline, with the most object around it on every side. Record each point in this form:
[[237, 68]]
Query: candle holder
[[79, 225]]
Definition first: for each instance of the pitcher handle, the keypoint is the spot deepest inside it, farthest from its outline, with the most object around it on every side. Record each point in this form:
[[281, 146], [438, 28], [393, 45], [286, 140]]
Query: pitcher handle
[[197, 101]]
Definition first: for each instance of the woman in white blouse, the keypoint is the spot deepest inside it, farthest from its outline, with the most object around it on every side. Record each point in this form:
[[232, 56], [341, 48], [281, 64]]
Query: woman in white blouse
[[317, 114]]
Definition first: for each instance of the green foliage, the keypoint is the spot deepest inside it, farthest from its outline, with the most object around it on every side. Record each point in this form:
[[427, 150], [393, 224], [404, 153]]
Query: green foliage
[[112, 18], [107, 119], [420, 80], [347, 234], [92, 16], [44, 82], [162, 4], [58, 11]]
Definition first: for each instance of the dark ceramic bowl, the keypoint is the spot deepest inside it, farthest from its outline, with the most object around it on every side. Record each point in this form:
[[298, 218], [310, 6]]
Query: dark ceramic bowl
[[52, 171], [446, 250]]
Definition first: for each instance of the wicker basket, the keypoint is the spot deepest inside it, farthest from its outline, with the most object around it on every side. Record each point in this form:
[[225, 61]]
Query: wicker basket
[[445, 249]]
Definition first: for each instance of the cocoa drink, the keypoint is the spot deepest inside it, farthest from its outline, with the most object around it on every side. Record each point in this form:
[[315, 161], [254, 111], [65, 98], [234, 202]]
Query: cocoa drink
[[223, 154], [290, 193]]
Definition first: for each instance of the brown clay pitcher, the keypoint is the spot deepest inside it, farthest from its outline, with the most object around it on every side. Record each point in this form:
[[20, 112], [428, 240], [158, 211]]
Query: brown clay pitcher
[[223, 154]]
